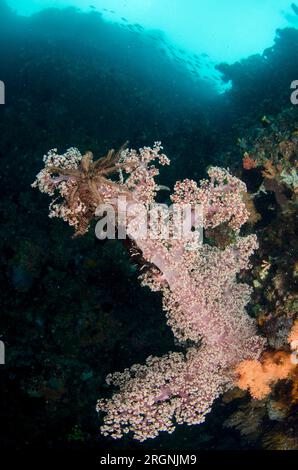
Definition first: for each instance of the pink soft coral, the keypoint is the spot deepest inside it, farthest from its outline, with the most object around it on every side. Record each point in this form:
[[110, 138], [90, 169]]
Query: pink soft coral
[[204, 302]]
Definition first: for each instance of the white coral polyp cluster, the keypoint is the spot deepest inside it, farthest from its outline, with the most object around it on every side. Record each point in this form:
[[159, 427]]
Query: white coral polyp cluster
[[202, 296], [141, 169], [221, 198], [290, 179], [174, 388], [68, 160], [61, 187]]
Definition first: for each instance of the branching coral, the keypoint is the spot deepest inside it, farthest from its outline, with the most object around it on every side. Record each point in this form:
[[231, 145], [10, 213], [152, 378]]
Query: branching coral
[[204, 301]]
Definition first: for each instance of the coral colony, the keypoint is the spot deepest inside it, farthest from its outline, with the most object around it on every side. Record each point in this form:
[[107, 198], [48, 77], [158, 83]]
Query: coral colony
[[202, 297]]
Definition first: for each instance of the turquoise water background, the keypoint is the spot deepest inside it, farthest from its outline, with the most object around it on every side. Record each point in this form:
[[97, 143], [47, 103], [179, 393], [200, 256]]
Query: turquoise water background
[[226, 30]]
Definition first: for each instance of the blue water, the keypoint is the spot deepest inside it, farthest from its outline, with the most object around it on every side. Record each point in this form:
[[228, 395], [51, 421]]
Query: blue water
[[226, 30]]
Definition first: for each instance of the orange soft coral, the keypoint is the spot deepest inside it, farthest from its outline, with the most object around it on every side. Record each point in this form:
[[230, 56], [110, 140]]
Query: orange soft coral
[[293, 337], [258, 376], [248, 162]]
